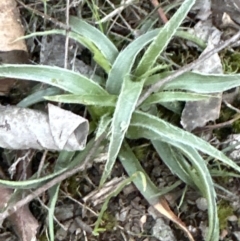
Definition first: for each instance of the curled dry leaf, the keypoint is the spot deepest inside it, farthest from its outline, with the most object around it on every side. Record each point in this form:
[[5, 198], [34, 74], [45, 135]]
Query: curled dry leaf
[[22, 128]]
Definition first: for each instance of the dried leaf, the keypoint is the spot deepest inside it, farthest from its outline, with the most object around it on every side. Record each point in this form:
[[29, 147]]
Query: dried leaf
[[25, 128], [22, 221], [11, 51], [24, 224], [11, 28], [163, 208]]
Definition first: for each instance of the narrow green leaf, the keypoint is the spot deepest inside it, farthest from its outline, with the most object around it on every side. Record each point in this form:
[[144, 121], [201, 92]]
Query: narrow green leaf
[[31, 183], [107, 48], [199, 82], [163, 38], [125, 106], [53, 192], [103, 125], [175, 107], [207, 188], [191, 37], [151, 127], [125, 60], [169, 189], [38, 96], [96, 100], [157, 77], [97, 54], [203, 179], [171, 159], [62, 78], [62, 162], [170, 96], [131, 165]]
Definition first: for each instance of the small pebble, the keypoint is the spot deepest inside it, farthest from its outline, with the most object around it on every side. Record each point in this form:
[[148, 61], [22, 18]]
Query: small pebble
[[202, 204]]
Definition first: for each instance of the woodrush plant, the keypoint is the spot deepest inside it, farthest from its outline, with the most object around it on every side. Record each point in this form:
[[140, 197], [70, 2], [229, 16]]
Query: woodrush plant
[[117, 109]]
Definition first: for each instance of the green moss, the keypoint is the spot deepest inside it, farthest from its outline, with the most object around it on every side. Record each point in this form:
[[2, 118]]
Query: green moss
[[73, 185], [236, 127], [183, 56], [230, 61], [226, 114], [224, 211], [141, 151], [109, 222], [221, 176], [43, 237]]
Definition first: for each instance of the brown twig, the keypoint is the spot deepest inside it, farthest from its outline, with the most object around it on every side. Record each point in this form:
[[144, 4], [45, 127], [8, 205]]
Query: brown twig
[[161, 13], [224, 124], [219, 125]]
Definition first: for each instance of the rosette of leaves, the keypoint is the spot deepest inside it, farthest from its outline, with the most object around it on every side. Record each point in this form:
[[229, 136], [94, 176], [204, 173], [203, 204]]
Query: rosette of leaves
[[118, 108]]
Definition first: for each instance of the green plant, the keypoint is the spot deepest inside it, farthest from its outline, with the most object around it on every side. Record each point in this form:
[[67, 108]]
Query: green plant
[[116, 111]]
